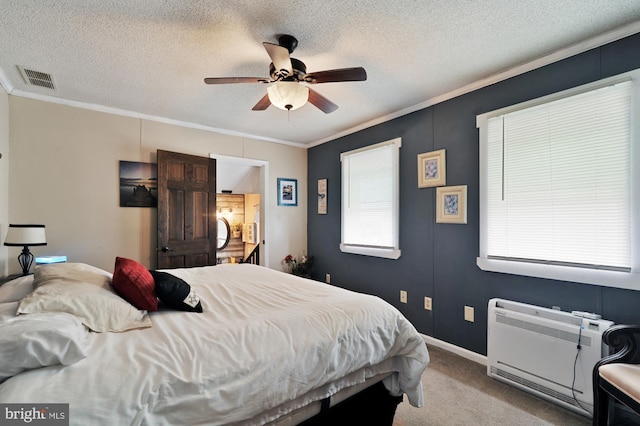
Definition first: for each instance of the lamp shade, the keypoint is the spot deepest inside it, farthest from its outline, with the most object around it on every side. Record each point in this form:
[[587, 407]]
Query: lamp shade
[[288, 95], [25, 235]]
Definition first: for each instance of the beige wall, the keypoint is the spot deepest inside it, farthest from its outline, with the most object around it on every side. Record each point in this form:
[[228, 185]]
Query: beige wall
[[64, 174], [4, 178]]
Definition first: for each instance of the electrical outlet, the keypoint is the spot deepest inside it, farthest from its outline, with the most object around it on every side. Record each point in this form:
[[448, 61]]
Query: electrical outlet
[[327, 278], [468, 313], [427, 303], [403, 296]]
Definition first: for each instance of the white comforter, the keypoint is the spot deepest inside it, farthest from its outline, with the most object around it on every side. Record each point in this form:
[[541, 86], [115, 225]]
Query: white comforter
[[266, 344]]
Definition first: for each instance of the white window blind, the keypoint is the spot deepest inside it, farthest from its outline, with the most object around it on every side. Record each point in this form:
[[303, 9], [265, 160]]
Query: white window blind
[[370, 179], [557, 185], [558, 181]]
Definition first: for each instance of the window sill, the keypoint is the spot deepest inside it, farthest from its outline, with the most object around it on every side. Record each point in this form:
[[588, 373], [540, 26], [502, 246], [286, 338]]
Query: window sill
[[371, 251], [625, 280]]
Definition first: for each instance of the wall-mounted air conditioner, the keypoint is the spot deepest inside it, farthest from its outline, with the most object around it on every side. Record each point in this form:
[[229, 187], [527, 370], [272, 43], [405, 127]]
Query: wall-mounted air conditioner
[[536, 350]]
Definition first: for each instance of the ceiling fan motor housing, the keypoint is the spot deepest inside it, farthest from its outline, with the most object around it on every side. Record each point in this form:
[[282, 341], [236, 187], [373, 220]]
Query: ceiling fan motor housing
[[299, 71]]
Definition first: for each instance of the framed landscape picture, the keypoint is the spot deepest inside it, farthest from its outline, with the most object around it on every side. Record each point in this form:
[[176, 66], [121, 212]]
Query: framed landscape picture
[[432, 169], [451, 204], [287, 192], [138, 184]]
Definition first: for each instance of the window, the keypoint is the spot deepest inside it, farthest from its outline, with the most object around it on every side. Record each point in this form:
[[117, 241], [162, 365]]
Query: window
[[370, 200], [556, 184]]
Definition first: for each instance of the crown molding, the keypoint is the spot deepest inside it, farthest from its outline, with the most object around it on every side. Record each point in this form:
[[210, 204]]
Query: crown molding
[[559, 55]]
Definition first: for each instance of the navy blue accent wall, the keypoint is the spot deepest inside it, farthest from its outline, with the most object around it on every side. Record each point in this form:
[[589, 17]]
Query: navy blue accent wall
[[439, 260]]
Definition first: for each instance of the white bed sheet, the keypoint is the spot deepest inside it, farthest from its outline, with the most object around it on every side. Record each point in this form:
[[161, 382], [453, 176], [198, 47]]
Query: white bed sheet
[[266, 344]]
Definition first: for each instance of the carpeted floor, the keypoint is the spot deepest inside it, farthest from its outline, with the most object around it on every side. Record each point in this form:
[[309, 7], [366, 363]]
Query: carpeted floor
[[458, 392]]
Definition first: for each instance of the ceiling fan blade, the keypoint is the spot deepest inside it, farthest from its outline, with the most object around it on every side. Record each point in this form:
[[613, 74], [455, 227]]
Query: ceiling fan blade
[[337, 75], [320, 102], [232, 80], [262, 104], [280, 57]]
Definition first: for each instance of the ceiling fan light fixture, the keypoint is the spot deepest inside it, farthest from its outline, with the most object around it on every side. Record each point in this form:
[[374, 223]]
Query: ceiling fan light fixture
[[288, 95]]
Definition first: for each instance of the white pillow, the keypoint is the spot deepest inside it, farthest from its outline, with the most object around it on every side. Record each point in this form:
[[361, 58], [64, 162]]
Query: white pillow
[[39, 340], [8, 310], [15, 290], [71, 272], [84, 291]]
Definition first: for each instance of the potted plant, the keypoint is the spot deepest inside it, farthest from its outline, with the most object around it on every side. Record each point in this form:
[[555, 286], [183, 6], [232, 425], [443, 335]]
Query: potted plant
[[236, 229], [302, 268]]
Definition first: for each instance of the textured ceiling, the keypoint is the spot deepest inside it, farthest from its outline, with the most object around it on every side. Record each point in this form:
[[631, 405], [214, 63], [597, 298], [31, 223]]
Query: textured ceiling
[[149, 57]]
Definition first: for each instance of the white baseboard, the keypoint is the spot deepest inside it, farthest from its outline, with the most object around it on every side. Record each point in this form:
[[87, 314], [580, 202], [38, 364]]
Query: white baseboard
[[465, 353]]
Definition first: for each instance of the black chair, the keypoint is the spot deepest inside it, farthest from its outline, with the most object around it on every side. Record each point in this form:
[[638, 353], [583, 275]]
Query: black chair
[[617, 375]]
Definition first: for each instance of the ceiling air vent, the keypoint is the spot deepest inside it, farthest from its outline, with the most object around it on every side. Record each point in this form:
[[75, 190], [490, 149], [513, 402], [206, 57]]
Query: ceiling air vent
[[37, 78]]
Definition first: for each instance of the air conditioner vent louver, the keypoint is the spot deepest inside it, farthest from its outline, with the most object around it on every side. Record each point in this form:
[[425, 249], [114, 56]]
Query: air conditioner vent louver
[[541, 388], [572, 336], [37, 78]]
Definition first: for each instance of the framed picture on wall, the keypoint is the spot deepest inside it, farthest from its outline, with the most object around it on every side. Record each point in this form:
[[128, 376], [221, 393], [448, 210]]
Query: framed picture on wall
[[322, 196], [451, 204], [287, 192], [432, 169], [138, 184]]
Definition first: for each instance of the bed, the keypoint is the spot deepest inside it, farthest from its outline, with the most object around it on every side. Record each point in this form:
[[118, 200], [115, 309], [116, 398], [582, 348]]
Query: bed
[[267, 348]]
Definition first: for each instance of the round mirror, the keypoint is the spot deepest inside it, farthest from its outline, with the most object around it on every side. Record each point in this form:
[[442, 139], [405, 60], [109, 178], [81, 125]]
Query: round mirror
[[224, 232]]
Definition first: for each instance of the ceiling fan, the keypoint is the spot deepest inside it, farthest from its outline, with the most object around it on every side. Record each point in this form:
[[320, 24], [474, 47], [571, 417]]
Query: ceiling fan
[[287, 73]]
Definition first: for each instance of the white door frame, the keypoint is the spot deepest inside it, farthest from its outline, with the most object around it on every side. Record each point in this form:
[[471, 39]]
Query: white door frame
[[264, 195]]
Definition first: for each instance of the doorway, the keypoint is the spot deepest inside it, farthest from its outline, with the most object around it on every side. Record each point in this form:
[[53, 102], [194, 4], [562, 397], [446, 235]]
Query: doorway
[[232, 172]]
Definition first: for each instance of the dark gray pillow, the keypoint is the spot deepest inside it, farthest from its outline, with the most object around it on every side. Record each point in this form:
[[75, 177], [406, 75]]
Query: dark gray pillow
[[175, 292]]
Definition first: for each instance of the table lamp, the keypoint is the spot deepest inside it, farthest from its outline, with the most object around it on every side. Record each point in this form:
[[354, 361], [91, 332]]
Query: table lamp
[[25, 236]]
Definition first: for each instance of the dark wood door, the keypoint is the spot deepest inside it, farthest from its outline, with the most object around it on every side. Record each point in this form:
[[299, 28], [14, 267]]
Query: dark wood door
[[187, 233]]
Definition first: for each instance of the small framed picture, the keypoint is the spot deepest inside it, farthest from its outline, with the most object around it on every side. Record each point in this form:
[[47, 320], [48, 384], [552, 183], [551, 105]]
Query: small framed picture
[[322, 196], [451, 204], [287, 192], [432, 169], [138, 184]]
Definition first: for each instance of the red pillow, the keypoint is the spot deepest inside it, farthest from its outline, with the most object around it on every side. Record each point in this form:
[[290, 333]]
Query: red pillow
[[134, 283]]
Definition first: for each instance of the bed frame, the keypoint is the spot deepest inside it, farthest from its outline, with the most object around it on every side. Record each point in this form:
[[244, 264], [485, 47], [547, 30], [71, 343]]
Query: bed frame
[[372, 406], [366, 403]]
